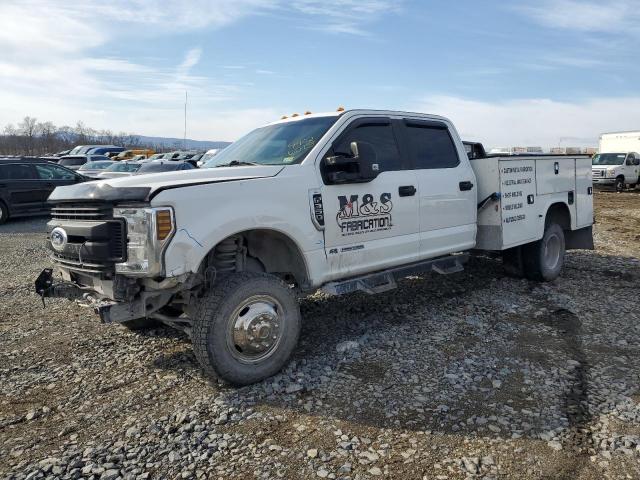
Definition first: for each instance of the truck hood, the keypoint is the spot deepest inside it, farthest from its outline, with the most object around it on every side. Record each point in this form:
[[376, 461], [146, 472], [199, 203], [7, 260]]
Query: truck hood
[[144, 187]]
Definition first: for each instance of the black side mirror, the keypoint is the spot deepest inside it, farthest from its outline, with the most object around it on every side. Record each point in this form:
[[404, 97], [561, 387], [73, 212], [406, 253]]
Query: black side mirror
[[357, 166]]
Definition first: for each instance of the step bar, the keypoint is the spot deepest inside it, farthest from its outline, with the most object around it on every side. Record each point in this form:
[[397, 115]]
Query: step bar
[[379, 282]]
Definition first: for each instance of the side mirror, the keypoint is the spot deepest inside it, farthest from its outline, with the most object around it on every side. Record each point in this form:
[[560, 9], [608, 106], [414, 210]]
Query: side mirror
[[357, 166]]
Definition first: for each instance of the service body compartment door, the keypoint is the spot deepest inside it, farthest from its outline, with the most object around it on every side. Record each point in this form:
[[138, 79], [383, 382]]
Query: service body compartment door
[[518, 201], [555, 175], [584, 193]]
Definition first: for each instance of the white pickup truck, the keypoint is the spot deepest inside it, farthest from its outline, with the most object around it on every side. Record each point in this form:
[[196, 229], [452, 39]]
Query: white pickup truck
[[343, 201]]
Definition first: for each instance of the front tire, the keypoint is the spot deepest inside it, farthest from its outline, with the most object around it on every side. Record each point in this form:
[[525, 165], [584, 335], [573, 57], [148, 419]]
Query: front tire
[[246, 327], [619, 184], [544, 259]]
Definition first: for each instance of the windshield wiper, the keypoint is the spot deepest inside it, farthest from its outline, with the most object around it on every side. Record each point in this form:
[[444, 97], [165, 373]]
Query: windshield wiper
[[236, 163]]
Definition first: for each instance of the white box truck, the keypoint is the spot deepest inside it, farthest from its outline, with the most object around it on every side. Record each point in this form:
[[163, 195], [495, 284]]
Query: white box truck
[[617, 164], [343, 201]]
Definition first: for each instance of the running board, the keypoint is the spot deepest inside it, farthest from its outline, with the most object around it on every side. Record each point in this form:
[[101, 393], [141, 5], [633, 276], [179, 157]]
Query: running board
[[383, 281]]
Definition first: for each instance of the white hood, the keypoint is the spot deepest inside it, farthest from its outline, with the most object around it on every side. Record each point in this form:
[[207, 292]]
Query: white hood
[[142, 187]]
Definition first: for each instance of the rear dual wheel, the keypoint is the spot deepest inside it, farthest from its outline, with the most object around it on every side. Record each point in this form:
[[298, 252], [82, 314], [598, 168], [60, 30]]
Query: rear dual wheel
[[543, 260]]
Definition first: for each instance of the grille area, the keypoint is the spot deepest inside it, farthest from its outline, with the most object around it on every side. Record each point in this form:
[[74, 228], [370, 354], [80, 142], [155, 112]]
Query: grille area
[[95, 240], [81, 212]]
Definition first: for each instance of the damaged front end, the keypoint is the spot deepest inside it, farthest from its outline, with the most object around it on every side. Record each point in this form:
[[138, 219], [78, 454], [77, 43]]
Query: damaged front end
[[108, 253]]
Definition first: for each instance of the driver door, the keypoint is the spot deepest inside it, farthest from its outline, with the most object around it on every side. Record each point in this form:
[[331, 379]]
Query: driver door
[[371, 224]]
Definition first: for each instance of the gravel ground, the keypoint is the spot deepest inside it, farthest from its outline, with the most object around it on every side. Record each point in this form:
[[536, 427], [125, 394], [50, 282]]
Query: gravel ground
[[465, 376]]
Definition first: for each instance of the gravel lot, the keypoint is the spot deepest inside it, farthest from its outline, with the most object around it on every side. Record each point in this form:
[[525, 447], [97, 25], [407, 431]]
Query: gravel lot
[[470, 375]]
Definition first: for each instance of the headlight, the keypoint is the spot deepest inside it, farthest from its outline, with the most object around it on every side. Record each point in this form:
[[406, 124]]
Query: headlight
[[148, 232], [611, 173]]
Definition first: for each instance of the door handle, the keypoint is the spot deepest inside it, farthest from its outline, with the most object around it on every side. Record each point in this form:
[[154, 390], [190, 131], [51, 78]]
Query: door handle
[[466, 185], [407, 191]]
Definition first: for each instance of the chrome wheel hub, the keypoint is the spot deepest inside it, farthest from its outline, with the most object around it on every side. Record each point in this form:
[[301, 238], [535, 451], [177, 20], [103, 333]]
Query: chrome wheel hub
[[255, 328]]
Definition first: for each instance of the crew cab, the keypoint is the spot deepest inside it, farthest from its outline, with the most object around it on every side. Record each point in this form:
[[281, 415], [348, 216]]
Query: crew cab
[[344, 201]]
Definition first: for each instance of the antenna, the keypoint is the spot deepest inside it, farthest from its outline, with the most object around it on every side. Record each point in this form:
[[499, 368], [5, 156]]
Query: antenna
[[184, 141]]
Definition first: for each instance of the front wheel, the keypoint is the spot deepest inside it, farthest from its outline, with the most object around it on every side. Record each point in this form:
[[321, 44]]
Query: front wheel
[[246, 327], [543, 260], [4, 213], [619, 184]]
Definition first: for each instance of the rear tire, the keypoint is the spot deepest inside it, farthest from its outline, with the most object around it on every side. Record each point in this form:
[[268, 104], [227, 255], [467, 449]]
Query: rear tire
[[544, 259], [4, 213], [246, 327]]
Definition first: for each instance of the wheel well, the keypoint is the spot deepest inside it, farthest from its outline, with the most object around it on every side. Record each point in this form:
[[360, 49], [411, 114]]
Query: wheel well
[[262, 250], [559, 213]]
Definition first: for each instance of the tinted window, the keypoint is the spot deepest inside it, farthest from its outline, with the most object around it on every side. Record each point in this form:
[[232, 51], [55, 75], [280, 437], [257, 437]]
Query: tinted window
[[380, 137], [17, 172], [50, 172], [431, 147]]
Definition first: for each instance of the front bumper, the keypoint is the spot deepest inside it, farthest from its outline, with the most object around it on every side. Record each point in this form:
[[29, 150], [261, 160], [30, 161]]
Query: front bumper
[[604, 181], [128, 302], [109, 310]]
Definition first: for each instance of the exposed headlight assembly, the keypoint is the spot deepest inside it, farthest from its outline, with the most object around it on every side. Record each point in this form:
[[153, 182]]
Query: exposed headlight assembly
[[148, 233], [611, 173]]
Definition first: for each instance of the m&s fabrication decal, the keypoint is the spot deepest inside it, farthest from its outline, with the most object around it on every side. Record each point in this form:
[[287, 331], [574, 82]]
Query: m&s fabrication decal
[[364, 215]]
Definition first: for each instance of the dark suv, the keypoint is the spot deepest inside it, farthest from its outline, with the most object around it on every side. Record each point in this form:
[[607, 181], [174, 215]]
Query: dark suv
[[25, 185]]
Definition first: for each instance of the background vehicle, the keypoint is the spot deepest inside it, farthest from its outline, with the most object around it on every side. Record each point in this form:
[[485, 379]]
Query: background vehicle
[[129, 154], [616, 170], [163, 166], [74, 162], [105, 150], [93, 169], [610, 168], [25, 185], [120, 169], [345, 201], [208, 155], [84, 149]]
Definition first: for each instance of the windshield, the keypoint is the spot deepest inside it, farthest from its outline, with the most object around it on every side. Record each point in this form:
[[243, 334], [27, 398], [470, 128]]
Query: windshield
[[95, 165], [280, 144], [124, 167], [72, 161], [609, 159]]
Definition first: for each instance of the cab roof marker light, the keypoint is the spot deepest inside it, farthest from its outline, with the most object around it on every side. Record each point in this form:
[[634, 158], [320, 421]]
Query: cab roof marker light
[[340, 109], [284, 117], [307, 112], [295, 115]]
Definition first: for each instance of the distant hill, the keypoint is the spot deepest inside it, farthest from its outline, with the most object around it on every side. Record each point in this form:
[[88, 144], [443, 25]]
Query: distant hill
[[178, 143]]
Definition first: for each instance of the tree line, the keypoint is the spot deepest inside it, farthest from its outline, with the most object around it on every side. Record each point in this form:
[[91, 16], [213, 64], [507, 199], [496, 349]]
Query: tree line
[[32, 137]]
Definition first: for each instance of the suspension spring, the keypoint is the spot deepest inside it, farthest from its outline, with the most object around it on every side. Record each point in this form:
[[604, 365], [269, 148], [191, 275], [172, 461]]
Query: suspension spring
[[225, 255]]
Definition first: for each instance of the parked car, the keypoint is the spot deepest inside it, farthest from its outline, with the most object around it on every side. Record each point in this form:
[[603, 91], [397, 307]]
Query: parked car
[[84, 149], [25, 185], [162, 166], [157, 156], [74, 162], [106, 150], [208, 155], [129, 154], [93, 169], [120, 169]]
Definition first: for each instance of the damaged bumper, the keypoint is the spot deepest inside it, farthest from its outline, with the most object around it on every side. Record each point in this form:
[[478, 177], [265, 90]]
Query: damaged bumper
[[110, 311]]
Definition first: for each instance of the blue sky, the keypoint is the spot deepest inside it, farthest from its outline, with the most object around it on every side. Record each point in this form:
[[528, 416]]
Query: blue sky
[[543, 72]]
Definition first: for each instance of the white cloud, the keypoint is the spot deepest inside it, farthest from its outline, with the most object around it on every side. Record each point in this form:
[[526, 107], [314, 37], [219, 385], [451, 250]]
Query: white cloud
[[535, 122], [619, 16], [51, 65]]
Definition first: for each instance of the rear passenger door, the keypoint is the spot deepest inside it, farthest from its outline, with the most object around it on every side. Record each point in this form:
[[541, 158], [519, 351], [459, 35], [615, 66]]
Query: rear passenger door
[[446, 187], [19, 188]]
